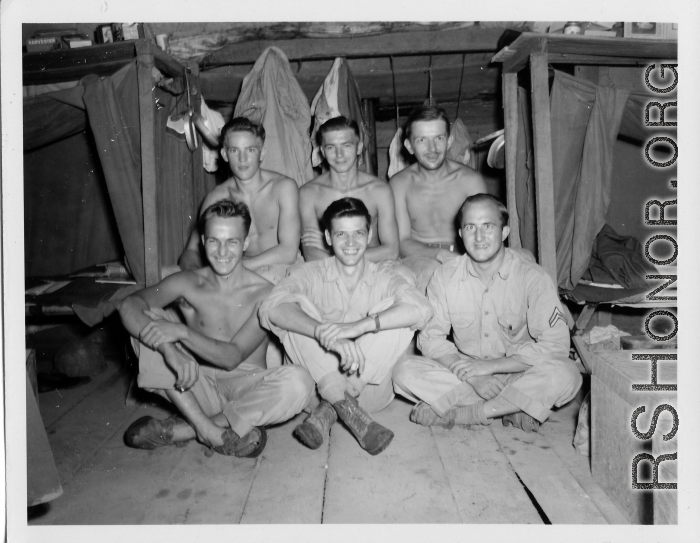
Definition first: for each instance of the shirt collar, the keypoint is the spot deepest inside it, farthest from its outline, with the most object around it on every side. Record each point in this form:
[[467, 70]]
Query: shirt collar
[[503, 271], [330, 274]]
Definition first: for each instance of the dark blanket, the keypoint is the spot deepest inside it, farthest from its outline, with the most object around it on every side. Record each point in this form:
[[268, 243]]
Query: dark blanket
[[617, 259]]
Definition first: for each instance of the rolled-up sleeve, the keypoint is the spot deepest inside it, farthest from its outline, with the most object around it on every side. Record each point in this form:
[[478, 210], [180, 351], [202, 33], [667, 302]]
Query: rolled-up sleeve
[[402, 292], [432, 340], [292, 289], [546, 322]]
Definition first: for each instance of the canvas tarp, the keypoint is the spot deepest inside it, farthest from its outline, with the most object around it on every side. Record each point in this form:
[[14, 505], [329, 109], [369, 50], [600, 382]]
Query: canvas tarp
[[585, 123], [586, 119], [113, 123], [271, 96]]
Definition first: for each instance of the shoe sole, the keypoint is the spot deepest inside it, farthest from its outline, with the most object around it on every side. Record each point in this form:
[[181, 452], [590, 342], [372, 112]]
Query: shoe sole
[[309, 435], [382, 438]]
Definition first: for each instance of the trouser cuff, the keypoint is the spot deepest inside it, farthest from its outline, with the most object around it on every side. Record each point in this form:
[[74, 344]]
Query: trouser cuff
[[452, 398], [534, 408], [238, 424], [332, 387]]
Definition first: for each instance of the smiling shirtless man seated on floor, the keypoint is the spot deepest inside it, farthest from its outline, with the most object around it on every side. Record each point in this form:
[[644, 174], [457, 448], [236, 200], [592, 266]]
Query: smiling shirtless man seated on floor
[[428, 195], [212, 368]]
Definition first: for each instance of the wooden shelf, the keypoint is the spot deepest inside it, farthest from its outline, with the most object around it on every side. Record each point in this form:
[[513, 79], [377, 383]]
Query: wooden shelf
[[571, 49], [104, 59]]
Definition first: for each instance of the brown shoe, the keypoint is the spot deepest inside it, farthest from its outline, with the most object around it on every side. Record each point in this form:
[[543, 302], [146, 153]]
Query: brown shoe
[[150, 433], [373, 437], [248, 446], [317, 424]]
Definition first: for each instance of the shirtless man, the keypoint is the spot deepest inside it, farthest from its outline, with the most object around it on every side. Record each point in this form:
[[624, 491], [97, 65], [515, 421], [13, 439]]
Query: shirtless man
[[341, 147], [428, 195], [212, 368], [271, 198]]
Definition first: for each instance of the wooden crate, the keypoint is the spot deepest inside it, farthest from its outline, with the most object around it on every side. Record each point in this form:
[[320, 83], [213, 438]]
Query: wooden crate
[[614, 445]]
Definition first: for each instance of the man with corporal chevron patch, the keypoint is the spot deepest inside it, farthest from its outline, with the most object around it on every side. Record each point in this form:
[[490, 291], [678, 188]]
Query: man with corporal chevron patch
[[509, 358]]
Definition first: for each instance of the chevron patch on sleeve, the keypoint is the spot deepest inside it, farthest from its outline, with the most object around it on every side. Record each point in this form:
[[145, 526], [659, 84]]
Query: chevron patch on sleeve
[[557, 314]]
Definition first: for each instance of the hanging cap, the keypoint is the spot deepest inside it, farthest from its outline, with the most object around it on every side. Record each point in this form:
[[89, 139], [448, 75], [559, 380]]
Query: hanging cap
[[497, 154]]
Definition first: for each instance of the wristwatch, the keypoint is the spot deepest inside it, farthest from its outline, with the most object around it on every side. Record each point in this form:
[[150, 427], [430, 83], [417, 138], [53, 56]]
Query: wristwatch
[[375, 318]]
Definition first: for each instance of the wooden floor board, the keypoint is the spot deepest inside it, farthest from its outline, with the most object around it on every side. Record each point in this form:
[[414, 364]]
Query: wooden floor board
[[76, 436], [116, 486], [203, 489], [559, 432], [426, 475], [404, 484], [55, 404], [290, 481], [482, 480], [557, 492]]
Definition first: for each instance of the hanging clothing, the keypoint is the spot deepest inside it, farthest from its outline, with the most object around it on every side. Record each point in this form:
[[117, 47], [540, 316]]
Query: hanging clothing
[[339, 95], [271, 96], [213, 121], [397, 162], [460, 150]]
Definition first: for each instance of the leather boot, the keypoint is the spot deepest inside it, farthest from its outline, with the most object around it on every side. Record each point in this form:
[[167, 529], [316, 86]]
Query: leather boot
[[317, 424], [373, 437]]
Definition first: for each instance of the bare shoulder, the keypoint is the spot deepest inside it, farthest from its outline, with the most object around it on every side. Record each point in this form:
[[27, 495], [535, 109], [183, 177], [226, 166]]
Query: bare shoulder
[[401, 181], [277, 181], [378, 188], [259, 286], [314, 186], [218, 193], [374, 184], [467, 177]]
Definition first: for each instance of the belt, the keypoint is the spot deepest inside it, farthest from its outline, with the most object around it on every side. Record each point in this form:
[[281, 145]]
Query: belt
[[440, 245]]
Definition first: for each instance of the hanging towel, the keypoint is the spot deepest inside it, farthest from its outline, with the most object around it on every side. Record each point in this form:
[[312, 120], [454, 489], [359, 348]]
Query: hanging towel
[[271, 96], [214, 121], [397, 162], [460, 150]]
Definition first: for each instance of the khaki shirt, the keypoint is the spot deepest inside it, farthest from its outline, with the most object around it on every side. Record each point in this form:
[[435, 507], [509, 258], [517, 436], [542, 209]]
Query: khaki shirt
[[319, 283], [518, 315]]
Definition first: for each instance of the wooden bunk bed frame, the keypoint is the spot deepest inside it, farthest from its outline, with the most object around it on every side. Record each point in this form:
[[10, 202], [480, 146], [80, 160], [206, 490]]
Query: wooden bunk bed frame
[[73, 64], [537, 52]]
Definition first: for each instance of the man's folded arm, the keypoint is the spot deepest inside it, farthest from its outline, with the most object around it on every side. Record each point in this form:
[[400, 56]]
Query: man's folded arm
[[131, 309], [227, 355], [407, 297]]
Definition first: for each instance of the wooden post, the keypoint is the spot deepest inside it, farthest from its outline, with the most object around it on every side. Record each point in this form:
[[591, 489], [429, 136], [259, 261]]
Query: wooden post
[[149, 186], [510, 104], [193, 188], [369, 108], [544, 182]]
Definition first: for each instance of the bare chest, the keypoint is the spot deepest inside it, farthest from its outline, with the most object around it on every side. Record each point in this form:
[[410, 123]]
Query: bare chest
[[216, 316]]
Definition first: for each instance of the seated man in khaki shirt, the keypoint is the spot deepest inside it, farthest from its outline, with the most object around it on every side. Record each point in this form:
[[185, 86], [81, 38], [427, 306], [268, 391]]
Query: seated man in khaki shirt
[[347, 321], [511, 343]]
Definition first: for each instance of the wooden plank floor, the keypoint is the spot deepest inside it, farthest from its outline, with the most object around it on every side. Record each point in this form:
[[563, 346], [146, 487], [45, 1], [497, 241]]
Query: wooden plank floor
[[427, 475]]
